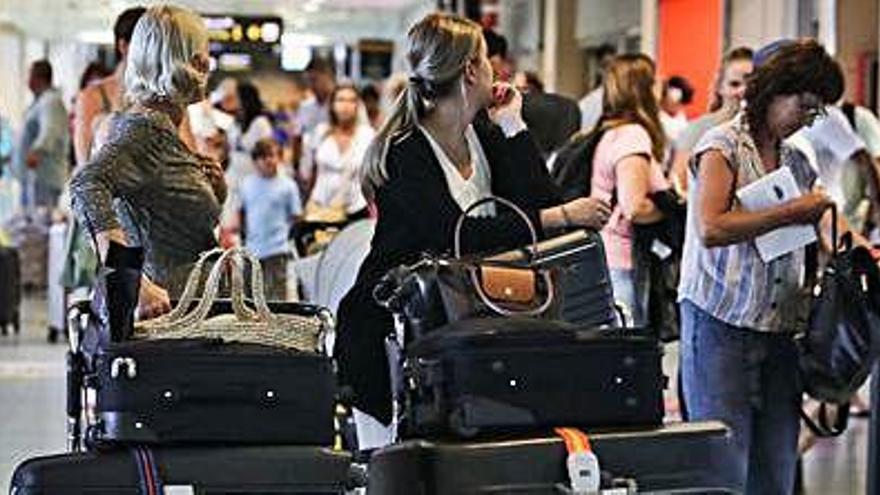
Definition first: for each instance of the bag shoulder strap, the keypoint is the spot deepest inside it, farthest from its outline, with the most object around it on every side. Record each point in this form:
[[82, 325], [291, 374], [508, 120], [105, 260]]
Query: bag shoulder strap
[[849, 110], [822, 428]]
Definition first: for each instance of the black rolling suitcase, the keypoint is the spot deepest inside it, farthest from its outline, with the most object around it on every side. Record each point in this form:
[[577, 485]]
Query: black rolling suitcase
[[491, 375], [10, 290], [677, 458], [198, 471], [203, 391]]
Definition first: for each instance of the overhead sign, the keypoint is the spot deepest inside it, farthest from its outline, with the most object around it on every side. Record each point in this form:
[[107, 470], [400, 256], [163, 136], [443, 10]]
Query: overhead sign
[[242, 43]]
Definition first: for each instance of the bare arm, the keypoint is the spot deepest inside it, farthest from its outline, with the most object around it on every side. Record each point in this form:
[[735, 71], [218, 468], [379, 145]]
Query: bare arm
[[679, 172], [721, 224], [87, 107], [633, 186]]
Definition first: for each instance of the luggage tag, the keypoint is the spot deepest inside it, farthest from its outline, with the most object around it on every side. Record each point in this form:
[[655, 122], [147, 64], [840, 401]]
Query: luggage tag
[[659, 248], [583, 465]]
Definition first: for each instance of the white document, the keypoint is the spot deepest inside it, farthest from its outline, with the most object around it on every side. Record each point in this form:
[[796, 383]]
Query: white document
[[771, 190]]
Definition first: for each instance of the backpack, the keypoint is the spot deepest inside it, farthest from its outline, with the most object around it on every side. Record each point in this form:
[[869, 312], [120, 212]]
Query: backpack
[[573, 168]]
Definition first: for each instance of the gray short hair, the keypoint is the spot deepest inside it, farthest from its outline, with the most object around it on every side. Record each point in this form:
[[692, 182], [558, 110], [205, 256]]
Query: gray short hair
[[161, 54]]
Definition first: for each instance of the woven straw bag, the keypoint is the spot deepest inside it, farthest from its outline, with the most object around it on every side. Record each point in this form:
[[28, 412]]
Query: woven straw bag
[[255, 325]]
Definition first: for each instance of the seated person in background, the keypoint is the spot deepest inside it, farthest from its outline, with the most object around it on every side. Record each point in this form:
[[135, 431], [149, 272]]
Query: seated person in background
[[270, 202]]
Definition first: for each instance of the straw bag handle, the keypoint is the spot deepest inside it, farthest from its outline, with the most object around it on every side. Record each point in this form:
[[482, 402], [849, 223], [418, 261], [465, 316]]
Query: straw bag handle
[[261, 311], [472, 270], [189, 294], [200, 312]]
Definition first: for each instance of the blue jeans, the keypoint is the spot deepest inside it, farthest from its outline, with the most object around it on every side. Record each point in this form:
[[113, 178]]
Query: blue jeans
[[633, 293], [748, 380]]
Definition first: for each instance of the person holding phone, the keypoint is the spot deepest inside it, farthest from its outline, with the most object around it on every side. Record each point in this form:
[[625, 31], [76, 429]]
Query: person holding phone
[[438, 152]]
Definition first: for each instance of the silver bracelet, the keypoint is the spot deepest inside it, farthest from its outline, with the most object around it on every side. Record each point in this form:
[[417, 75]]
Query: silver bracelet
[[565, 218]]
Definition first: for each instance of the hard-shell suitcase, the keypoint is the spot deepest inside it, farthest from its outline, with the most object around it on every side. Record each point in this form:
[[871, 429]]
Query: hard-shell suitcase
[[204, 391], [492, 375], [10, 290], [677, 458], [56, 296], [31, 237], [201, 471], [583, 282]]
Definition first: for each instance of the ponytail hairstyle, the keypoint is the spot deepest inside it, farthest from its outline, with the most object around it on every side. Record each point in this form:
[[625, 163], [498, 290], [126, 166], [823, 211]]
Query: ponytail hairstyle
[[439, 48], [629, 97]]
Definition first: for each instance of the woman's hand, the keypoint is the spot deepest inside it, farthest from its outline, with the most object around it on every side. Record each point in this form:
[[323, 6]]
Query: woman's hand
[[153, 300], [215, 175], [506, 110], [587, 212], [808, 209]]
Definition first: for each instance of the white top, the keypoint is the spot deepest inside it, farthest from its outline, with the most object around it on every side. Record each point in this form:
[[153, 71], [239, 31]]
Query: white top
[[591, 108], [834, 142], [466, 192], [868, 128], [311, 114], [338, 173], [673, 125]]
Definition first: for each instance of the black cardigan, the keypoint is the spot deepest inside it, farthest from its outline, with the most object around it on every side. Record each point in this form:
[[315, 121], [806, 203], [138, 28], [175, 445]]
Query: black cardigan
[[417, 214]]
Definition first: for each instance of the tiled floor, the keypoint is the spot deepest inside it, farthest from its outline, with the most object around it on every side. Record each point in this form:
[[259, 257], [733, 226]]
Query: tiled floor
[[32, 418]]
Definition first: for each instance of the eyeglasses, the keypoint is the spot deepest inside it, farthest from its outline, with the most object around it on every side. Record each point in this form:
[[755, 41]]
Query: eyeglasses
[[812, 106]]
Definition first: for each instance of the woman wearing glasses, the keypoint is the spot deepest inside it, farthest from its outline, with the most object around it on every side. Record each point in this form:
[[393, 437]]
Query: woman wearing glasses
[[738, 358]]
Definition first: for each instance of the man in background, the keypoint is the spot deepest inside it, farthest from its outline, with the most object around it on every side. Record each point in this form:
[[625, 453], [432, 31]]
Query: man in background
[[591, 104], [41, 163]]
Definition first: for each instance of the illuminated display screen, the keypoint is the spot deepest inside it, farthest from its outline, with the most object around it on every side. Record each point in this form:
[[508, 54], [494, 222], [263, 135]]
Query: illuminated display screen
[[243, 43]]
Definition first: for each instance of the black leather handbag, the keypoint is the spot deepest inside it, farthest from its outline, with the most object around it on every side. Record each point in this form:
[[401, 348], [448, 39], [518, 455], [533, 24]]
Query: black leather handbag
[[842, 339], [436, 290]]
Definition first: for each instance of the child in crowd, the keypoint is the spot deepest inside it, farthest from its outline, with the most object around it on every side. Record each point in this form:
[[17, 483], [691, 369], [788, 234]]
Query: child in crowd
[[270, 203]]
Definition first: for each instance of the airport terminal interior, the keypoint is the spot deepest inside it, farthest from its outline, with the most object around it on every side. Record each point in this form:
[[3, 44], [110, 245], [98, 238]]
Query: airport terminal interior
[[439, 247]]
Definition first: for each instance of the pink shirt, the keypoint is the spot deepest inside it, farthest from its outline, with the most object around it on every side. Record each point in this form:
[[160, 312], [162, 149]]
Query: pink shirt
[[615, 145]]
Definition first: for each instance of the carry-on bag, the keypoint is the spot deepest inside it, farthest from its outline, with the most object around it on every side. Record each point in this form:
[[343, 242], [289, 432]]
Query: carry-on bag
[[245, 377], [842, 339], [500, 375], [676, 458], [10, 290], [56, 295], [439, 290], [202, 471]]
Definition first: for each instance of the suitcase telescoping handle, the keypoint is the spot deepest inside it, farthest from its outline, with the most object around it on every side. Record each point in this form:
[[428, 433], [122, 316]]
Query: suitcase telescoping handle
[[533, 252]]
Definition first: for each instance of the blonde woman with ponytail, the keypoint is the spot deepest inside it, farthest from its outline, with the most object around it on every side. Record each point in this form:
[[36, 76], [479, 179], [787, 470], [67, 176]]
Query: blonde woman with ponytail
[[438, 152]]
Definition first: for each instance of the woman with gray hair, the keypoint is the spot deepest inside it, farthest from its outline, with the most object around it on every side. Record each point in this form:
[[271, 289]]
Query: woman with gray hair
[[438, 153], [145, 186]]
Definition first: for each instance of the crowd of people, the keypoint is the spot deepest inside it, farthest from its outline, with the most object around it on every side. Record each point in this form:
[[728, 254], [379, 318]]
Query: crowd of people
[[160, 162]]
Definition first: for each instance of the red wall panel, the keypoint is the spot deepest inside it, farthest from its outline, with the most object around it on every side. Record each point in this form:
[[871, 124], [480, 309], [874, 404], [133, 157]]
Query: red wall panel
[[689, 44]]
